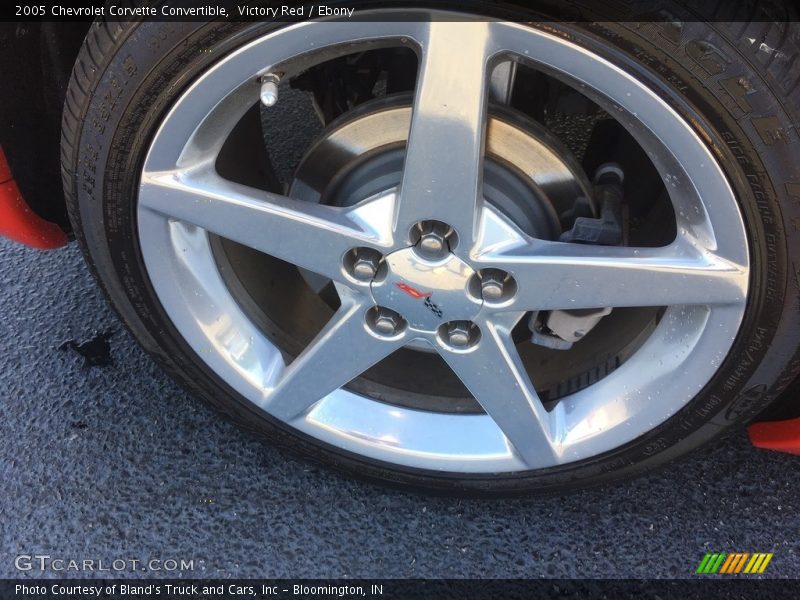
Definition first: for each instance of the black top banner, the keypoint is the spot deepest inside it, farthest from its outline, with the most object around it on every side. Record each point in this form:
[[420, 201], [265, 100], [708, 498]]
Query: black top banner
[[259, 10], [393, 589]]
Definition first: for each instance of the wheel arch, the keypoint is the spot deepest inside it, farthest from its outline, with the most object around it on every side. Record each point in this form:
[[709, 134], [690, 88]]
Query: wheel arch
[[37, 60]]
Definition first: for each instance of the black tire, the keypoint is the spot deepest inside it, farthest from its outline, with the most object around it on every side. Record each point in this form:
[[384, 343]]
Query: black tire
[[127, 75]]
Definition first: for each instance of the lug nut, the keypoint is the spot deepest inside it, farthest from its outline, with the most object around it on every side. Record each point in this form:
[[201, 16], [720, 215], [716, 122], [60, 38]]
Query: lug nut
[[461, 334], [365, 267], [432, 242], [458, 335], [363, 263], [386, 321], [385, 324], [434, 238], [269, 89], [493, 283]]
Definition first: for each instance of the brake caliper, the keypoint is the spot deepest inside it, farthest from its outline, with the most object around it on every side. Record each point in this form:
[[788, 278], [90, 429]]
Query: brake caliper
[[559, 329]]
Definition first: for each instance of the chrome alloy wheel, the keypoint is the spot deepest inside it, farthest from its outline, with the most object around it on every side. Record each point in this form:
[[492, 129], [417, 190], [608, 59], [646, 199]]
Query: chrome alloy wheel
[[431, 262]]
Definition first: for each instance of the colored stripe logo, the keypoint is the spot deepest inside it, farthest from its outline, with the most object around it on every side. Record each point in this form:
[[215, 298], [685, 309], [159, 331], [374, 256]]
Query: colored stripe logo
[[733, 563]]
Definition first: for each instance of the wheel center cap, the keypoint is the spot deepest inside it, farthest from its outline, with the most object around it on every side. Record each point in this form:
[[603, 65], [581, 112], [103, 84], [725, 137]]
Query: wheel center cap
[[428, 292]]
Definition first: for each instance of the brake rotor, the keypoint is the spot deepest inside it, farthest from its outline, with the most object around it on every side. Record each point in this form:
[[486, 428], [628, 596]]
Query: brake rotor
[[529, 175]]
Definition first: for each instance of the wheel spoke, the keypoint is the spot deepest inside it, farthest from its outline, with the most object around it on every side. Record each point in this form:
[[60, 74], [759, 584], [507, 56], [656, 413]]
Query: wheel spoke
[[311, 236], [493, 372], [555, 275], [443, 165], [340, 352]]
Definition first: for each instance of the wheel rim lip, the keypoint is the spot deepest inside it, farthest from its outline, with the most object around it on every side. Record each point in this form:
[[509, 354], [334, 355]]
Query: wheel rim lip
[[204, 312]]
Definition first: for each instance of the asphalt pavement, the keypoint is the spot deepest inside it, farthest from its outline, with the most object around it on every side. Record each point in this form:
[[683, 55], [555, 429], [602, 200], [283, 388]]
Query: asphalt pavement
[[118, 462]]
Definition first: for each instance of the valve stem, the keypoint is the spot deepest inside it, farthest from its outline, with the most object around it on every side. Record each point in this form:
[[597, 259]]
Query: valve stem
[[269, 89]]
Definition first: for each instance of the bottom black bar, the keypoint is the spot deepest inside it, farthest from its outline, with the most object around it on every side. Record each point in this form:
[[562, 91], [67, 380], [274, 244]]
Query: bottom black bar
[[396, 589]]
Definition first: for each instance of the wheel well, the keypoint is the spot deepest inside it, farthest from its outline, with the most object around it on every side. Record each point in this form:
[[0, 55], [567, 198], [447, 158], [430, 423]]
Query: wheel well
[[37, 60]]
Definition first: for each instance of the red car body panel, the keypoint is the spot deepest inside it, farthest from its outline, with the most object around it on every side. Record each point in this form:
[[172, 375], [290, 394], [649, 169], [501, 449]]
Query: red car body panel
[[783, 436], [18, 221]]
